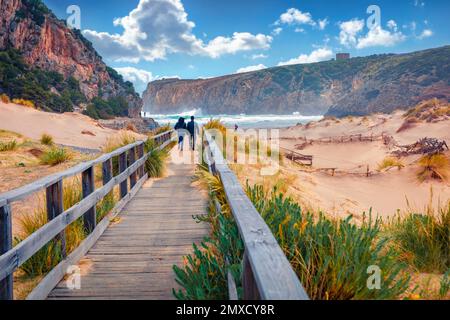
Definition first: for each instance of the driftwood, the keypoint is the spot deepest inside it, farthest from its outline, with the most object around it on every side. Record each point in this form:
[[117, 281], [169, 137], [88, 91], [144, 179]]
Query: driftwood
[[426, 146]]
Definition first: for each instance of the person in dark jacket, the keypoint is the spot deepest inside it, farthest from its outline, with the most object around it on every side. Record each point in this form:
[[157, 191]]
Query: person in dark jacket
[[193, 129], [180, 127]]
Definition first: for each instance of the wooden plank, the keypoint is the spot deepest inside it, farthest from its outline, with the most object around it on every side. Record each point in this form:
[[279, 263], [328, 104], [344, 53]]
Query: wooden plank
[[122, 168], [6, 285], [55, 206], [135, 255], [53, 277], [88, 186], [272, 272], [131, 160]]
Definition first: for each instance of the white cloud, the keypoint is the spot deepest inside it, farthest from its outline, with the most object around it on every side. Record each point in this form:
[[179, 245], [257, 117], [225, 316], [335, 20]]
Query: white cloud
[[140, 78], [299, 30], [380, 37], [276, 31], [425, 34], [156, 28], [391, 24], [318, 55], [323, 23], [349, 31], [251, 68], [349, 35], [259, 56], [295, 16], [419, 3]]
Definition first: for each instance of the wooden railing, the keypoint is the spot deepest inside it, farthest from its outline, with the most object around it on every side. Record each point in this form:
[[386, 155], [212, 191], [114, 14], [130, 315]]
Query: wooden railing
[[267, 273], [131, 160]]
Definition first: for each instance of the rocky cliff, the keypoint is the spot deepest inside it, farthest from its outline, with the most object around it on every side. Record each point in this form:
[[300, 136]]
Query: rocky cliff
[[358, 86], [46, 43]]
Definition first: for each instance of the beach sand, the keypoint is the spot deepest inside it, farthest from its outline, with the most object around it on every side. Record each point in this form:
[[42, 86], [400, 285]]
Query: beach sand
[[66, 128], [350, 191]]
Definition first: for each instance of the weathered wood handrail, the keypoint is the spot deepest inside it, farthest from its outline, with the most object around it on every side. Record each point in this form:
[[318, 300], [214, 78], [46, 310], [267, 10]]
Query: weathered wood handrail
[[58, 219], [267, 273]]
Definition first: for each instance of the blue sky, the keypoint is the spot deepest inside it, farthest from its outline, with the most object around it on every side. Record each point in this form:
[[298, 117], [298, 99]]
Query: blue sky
[[150, 39]]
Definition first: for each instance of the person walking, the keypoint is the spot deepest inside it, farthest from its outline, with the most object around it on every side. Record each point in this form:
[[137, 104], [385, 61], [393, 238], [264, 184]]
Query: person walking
[[193, 129], [180, 127]]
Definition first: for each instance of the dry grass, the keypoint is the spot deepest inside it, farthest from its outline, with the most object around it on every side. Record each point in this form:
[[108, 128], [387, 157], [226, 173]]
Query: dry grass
[[434, 166], [4, 98], [117, 141], [47, 139], [8, 146], [390, 162], [25, 103]]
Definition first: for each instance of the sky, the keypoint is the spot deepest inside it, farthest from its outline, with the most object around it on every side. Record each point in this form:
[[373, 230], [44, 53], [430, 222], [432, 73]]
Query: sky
[[146, 40]]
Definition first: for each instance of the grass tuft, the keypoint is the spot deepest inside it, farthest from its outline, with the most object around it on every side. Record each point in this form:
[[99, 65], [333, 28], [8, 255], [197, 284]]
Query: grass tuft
[[8, 146], [434, 166], [47, 139], [390, 162], [55, 156], [423, 239]]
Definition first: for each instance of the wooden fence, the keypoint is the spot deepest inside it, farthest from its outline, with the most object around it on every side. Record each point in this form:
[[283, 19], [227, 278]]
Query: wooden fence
[[267, 273], [297, 157], [131, 162]]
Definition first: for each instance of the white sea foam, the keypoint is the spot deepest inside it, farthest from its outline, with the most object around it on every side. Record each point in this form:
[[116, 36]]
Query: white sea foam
[[242, 120]]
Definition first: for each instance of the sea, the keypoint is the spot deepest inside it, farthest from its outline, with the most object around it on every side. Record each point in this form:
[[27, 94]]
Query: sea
[[243, 121]]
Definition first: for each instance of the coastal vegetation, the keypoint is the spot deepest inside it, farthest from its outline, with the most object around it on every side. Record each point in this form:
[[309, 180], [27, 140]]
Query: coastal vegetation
[[434, 166], [330, 255], [55, 156], [47, 139], [36, 87]]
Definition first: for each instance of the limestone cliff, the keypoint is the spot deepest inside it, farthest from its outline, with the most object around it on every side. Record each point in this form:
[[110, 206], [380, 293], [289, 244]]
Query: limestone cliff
[[358, 86]]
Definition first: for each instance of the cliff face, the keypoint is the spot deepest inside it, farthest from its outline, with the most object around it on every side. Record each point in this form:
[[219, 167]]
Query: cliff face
[[45, 42], [356, 86]]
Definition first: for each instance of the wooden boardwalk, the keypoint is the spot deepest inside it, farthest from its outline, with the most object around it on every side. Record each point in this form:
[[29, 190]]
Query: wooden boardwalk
[[133, 259]]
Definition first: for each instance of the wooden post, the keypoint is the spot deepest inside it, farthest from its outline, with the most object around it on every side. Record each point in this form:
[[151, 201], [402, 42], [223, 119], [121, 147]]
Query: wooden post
[[6, 285], [107, 171], [248, 281], [141, 170], [368, 171], [131, 160], [90, 217], [122, 168], [55, 206]]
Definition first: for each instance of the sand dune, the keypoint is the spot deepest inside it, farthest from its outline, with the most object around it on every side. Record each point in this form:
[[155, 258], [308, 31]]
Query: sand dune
[[66, 128], [347, 192]]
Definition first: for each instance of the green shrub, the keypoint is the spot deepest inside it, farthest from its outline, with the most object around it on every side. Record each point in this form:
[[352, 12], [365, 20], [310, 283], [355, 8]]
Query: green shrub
[[8, 146], [47, 139], [155, 163], [204, 274], [423, 239], [55, 156], [331, 258]]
